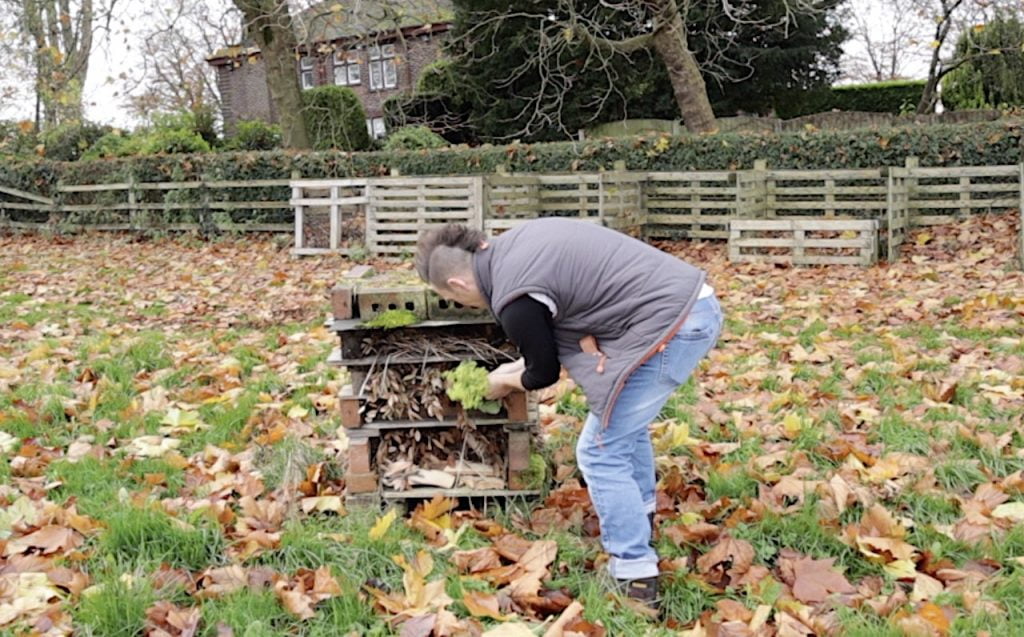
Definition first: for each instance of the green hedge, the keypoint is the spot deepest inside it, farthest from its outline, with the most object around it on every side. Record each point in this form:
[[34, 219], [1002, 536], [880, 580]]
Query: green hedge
[[974, 144], [884, 97]]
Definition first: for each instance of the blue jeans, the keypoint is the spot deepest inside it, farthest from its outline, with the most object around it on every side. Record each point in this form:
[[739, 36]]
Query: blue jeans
[[618, 463]]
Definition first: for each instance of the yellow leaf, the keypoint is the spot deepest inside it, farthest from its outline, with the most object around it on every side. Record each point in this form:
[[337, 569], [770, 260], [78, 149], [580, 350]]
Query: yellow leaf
[[936, 44], [298, 412], [792, 425], [849, 234], [901, 569], [1011, 511], [383, 523], [922, 238], [568, 34], [690, 517]]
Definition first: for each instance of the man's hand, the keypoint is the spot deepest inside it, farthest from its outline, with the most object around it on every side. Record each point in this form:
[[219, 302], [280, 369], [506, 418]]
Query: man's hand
[[505, 379]]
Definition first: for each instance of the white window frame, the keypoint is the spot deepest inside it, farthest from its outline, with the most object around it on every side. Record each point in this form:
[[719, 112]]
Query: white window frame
[[346, 63], [383, 67], [307, 73], [376, 127]]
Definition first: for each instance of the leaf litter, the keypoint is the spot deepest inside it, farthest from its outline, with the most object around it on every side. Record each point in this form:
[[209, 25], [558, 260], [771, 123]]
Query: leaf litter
[[885, 401]]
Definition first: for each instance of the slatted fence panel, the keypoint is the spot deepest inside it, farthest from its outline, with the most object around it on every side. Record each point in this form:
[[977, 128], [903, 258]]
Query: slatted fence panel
[[330, 215], [690, 204], [829, 194], [941, 195], [804, 241], [399, 208]]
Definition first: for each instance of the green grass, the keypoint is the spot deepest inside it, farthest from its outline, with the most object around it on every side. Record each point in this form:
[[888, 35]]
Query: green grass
[[735, 485], [116, 610], [146, 538], [803, 531]]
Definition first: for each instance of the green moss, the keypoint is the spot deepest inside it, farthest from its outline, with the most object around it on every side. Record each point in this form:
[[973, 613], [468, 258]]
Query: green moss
[[393, 319]]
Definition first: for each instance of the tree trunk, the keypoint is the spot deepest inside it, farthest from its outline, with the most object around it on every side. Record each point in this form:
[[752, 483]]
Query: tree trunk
[[687, 84], [62, 43], [270, 23]]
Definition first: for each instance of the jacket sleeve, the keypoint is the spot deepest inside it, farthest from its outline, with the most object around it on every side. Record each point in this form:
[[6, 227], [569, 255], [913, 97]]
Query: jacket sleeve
[[527, 323]]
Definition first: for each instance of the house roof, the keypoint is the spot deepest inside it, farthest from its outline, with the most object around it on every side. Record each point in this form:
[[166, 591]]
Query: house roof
[[348, 19]]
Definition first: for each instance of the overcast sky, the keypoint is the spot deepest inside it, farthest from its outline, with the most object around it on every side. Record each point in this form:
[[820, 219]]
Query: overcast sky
[[119, 54]]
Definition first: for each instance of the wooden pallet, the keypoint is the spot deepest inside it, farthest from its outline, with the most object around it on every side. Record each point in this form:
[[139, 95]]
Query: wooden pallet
[[804, 241]]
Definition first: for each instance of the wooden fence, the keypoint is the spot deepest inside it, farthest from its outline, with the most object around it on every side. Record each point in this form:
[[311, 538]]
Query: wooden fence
[[383, 216]]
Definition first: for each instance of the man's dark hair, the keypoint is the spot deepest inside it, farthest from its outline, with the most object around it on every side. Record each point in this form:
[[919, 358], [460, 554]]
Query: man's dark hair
[[442, 252]]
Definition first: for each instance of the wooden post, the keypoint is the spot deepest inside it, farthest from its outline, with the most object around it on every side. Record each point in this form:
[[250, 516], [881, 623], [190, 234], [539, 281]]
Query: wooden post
[[830, 197], [478, 205], [910, 187], [297, 193], [965, 198], [335, 219], [1020, 214], [695, 210], [890, 219], [55, 211], [133, 213], [207, 225]]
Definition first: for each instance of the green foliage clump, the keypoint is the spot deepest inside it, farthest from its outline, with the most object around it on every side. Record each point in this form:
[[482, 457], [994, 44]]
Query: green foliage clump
[[70, 141], [414, 138], [994, 79], [468, 385], [254, 135], [174, 141], [17, 139], [393, 319], [116, 143], [335, 118]]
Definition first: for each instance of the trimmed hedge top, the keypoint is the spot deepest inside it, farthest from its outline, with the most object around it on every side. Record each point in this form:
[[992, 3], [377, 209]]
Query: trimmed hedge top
[[989, 143]]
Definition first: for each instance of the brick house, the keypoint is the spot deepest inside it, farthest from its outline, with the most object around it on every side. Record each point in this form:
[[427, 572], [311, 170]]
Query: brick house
[[378, 48]]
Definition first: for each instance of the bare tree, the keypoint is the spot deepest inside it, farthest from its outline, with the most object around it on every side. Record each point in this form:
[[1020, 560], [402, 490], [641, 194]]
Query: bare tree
[[60, 35], [174, 74], [886, 33], [269, 23], [611, 28]]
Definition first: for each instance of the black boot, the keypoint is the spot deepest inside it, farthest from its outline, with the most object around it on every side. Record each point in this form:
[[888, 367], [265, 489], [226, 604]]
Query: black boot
[[650, 522], [643, 590]]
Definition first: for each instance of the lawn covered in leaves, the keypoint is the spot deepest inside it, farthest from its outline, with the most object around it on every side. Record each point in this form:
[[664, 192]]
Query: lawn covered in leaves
[[848, 461]]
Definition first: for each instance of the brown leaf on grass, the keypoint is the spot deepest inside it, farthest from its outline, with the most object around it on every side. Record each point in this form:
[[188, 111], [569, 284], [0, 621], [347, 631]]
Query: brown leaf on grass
[[72, 581], [484, 605], [727, 561], [45, 540], [696, 533], [815, 580], [308, 588], [477, 560], [217, 582], [164, 619], [731, 610], [511, 547], [418, 626], [533, 565]]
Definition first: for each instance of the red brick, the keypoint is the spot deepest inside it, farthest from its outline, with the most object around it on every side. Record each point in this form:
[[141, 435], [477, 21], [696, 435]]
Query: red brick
[[349, 405], [516, 407], [359, 456], [341, 302], [518, 450], [361, 482]]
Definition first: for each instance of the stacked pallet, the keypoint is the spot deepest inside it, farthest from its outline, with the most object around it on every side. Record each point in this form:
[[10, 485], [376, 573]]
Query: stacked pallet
[[407, 439]]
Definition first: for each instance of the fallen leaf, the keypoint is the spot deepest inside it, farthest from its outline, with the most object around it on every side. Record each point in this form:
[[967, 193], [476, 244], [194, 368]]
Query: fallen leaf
[[483, 605], [382, 524], [816, 580]]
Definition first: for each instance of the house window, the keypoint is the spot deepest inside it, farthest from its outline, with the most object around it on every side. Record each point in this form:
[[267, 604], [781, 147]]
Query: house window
[[306, 71], [375, 127], [383, 72], [347, 71]]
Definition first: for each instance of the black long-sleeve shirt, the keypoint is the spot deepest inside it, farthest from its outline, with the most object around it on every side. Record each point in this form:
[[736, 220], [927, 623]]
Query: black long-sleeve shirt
[[527, 323]]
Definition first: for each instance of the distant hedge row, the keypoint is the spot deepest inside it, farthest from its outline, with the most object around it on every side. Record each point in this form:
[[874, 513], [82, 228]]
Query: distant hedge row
[[894, 97], [988, 143]]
